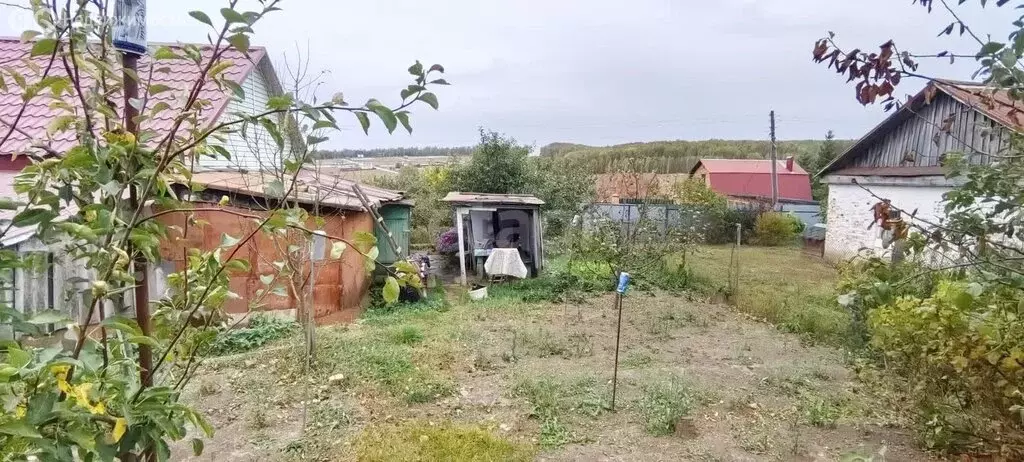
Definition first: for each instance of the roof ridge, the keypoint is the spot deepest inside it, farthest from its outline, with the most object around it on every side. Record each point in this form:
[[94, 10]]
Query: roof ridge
[[6, 38]]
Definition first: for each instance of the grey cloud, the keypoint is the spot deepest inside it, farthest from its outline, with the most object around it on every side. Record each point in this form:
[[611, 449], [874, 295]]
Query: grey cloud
[[595, 71]]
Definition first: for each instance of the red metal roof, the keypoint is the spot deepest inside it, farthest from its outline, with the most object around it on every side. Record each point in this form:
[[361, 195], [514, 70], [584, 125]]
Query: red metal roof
[[996, 104], [747, 166], [744, 177], [176, 74]]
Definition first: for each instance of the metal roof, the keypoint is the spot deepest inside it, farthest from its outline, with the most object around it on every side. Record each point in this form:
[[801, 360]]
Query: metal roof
[[311, 187], [491, 199], [747, 166], [177, 74]]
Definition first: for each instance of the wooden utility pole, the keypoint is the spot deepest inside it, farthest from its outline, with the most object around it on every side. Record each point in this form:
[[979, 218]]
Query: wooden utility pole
[[130, 40], [775, 167]]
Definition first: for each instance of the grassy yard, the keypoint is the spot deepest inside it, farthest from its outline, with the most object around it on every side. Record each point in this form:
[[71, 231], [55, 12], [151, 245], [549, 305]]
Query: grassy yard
[[782, 286], [507, 379]]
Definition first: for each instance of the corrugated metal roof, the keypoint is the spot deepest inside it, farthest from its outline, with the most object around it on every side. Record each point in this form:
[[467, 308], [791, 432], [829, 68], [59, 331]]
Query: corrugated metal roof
[[753, 178], [178, 75], [996, 105], [491, 199], [311, 187], [747, 166]]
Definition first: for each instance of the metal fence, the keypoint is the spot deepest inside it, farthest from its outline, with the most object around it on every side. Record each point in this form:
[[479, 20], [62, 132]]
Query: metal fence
[[663, 217]]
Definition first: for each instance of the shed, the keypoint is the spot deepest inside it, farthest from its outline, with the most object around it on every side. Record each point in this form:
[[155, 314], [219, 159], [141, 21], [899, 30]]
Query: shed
[[486, 221], [901, 160]]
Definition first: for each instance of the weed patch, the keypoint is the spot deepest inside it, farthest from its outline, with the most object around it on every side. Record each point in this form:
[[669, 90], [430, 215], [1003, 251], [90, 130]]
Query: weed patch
[[423, 441], [637, 360], [820, 412], [407, 335], [554, 402], [664, 403], [262, 330]]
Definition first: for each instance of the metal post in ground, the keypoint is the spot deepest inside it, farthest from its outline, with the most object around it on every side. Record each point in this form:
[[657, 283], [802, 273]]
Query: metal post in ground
[[623, 285]]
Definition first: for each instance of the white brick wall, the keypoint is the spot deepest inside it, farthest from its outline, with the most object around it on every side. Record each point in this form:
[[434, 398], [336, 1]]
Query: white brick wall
[[849, 214]]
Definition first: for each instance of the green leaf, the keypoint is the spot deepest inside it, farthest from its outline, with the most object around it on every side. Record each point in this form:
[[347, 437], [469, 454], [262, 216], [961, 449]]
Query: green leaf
[[390, 290], [235, 88], [267, 279], [386, 116], [439, 82], [416, 69], [123, 324], [9, 204], [164, 52], [990, 48], [406, 266], [430, 99], [28, 35], [232, 16], [158, 88], [197, 447], [364, 241], [364, 121], [49, 317], [33, 216], [17, 357], [44, 46], [227, 240], [403, 117], [280, 102], [205, 19], [337, 249], [240, 42], [19, 428], [238, 266], [274, 189], [274, 132], [144, 340]]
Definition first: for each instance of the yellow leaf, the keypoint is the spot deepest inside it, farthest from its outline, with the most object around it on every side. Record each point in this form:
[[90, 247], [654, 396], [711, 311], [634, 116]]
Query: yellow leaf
[[20, 411], [120, 426]]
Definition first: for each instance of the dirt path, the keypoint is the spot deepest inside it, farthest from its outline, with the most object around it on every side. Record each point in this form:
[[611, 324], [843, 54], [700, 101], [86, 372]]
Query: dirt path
[[538, 375]]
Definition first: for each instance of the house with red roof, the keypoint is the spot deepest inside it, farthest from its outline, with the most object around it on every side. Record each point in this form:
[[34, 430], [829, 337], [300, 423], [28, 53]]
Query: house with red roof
[[341, 284], [751, 179]]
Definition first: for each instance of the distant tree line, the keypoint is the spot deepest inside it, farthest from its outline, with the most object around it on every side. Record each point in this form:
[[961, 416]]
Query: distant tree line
[[681, 156], [428, 151]]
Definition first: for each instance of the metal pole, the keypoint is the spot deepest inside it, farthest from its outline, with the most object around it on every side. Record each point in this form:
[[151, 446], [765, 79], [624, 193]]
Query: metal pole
[[618, 334], [774, 158]]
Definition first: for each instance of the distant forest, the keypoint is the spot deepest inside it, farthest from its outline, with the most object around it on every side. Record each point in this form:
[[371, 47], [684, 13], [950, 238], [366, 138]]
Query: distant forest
[[681, 156], [399, 152], [655, 156]]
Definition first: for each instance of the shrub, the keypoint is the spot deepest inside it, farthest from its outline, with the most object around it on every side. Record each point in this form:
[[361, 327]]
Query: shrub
[[774, 229], [262, 329], [663, 404], [448, 242]]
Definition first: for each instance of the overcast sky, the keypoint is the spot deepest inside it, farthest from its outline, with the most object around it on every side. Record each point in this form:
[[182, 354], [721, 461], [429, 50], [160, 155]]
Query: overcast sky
[[592, 71]]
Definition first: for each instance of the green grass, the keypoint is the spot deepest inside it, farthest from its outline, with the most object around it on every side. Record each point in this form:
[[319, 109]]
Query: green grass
[[821, 412], [555, 402], [398, 361], [781, 285], [664, 403], [426, 441]]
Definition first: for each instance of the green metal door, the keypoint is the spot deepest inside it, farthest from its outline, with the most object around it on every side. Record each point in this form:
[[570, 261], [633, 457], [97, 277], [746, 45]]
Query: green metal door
[[397, 219]]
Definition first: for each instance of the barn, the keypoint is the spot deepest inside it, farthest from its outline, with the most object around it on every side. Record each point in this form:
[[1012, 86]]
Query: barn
[[900, 160]]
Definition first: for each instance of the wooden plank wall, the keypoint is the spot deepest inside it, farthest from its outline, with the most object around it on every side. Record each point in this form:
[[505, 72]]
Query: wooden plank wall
[[912, 143]]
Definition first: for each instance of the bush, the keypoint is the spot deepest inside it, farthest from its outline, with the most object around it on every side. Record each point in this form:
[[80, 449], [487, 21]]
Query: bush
[[775, 229], [721, 227], [262, 329], [448, 242]]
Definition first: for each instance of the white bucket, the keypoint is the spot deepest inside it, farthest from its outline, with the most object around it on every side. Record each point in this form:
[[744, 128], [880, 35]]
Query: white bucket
[[478, 294]]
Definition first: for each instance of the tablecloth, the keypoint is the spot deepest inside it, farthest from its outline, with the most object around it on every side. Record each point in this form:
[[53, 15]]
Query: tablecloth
[[506, 262]]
